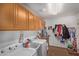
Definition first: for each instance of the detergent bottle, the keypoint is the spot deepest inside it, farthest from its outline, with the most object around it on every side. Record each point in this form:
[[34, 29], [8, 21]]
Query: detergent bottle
[[27, 44]]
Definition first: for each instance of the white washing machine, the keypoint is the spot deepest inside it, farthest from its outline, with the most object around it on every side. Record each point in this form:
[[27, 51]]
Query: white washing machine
[[18, 51]]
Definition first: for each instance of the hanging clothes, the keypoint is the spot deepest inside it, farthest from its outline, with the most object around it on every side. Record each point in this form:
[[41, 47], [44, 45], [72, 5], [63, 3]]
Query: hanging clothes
[[72, 32], [55, 26], [59, 29], [55, 30], [61, 32], [75, 45], [62, 40], [65, 32]]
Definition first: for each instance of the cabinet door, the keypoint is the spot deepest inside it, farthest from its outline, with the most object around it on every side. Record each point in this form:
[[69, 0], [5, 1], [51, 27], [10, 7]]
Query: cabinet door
[[41, 23], [31, 21], [21, 21], [36, 23], [6, 16]]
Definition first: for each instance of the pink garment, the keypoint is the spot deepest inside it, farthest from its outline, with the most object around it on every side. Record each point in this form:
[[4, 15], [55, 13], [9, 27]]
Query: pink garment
[[59, 29]]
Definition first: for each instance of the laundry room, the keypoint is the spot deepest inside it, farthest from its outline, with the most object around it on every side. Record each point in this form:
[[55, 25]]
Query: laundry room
[[39, 29]]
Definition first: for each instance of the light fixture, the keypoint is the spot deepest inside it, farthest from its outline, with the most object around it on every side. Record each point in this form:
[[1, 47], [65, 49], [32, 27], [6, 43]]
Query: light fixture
[[54, 8]]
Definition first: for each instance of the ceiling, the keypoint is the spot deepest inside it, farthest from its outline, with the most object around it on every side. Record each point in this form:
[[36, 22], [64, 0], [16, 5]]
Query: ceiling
[[38, 8]]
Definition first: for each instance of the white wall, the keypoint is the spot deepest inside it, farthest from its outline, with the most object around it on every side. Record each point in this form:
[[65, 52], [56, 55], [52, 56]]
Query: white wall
[[8, 37], [69, 21]]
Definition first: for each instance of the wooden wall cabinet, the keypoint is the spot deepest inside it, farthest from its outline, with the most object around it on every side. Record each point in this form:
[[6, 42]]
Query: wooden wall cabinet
[[6, 16], [31, 21], [39, 24], [21, 18], [16, 17]]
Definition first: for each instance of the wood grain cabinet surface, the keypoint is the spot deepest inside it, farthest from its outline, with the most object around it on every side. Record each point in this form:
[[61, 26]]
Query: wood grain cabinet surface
[[16, 17], [21, 18], [31, 21], [6, 16]]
